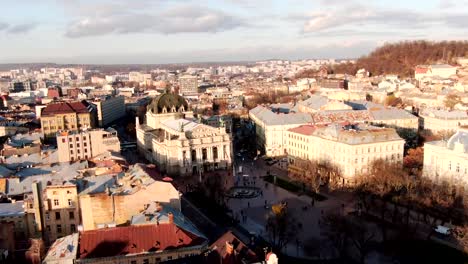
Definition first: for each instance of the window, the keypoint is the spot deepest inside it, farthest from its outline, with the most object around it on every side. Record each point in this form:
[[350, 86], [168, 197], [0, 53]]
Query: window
[[71, 215], [71, 152], [47, 216], [57, 215], [194, 155], [77, 138], [158, 259], [70, 202], [145, 261], [457, 169], [204, 154], [59, 228], [48, 227], [169, 258], [77, 145], [78, 151], [56, 202], [85, 150], [71, 145], [215, 153], [450, 165], [133, 262], [85, 144], [63, 140], [54, 192], [31, 206], [73, 228]]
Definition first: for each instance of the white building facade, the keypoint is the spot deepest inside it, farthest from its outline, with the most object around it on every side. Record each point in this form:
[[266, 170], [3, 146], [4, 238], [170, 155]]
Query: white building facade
[[351, 148], [448, 160], [179, 146]]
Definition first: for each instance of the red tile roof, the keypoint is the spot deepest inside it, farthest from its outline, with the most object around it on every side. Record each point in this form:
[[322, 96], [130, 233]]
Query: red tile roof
[[221, 252], [304, 129], [119, 241], [65, 108], [421, 69]]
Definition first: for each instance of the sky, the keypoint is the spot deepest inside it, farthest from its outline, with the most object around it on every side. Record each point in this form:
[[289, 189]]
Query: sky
[[178, 31]]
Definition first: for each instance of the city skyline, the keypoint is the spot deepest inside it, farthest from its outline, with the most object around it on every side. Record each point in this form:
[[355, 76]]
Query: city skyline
[[143, 31]]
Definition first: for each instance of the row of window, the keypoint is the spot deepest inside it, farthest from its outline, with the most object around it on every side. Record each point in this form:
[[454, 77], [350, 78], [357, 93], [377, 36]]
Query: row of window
[[58, 228], [457, 167], [57, 202], [58, 216]]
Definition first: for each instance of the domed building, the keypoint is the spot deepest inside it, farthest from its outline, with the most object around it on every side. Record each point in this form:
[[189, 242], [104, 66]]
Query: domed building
[[176, 144]]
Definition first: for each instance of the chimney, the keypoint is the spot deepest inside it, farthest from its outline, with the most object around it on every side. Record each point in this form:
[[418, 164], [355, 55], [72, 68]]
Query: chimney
[[171, 217], [229, 248]]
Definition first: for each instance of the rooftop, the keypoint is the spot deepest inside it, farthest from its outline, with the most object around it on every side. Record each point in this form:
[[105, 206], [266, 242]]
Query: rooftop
[[65, 108], [444, 114], [121, 241], [64, 248], [355, 134], [12, 209], [228, 249], [270, 118]]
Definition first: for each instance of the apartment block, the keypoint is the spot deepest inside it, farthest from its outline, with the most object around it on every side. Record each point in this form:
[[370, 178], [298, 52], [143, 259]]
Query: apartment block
[[86, 144], [66, 116], [109, 109]]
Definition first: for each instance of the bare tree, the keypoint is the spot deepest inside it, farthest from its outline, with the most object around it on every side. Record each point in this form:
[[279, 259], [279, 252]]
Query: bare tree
[[281, 227]]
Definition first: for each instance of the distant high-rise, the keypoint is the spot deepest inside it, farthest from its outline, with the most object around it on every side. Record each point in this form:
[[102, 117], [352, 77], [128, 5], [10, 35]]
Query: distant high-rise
[[188, 84]]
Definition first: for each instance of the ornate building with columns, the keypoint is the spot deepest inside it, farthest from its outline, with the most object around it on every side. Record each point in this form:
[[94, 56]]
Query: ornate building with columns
[[176, 144]]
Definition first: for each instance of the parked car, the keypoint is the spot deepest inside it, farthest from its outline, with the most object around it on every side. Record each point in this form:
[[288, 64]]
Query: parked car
[[443, 230]]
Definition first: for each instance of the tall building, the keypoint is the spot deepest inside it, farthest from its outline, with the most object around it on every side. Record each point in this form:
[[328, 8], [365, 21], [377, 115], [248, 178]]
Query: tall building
[[109, 109], [179, 146], [350, 148], [448, 160], [188, 84], [74, 145], [55, 209], [66, 116]]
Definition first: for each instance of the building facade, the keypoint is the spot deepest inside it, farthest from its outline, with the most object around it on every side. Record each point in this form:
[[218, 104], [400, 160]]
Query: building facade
[[436, 121], [66, 116], [350, 148], [86, 144], [179, 146], [109, 109], [271, 128], [55, 210], [448, 160], [188, 84]]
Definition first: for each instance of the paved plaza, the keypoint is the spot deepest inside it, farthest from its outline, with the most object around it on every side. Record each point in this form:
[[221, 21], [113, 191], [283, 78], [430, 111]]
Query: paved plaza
[[253, 214]]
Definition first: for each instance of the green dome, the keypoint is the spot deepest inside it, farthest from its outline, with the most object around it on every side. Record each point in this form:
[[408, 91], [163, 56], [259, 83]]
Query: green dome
[[170, 102]]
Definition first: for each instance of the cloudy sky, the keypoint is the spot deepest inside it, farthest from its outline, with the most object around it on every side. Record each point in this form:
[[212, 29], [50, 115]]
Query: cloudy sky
[[165, 31]]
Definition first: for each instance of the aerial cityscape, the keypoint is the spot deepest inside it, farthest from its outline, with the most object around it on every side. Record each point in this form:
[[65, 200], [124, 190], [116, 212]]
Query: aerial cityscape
[[233, 132]]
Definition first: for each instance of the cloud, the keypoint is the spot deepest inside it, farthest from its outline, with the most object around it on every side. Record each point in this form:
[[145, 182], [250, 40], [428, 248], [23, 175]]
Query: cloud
[[357, 16], [3, 26], [21, 28], [171, 21]]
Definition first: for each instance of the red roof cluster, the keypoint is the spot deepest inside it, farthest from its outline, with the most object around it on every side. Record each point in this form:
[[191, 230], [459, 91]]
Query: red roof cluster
[[119, 241], [65, 108], [228, 249]]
